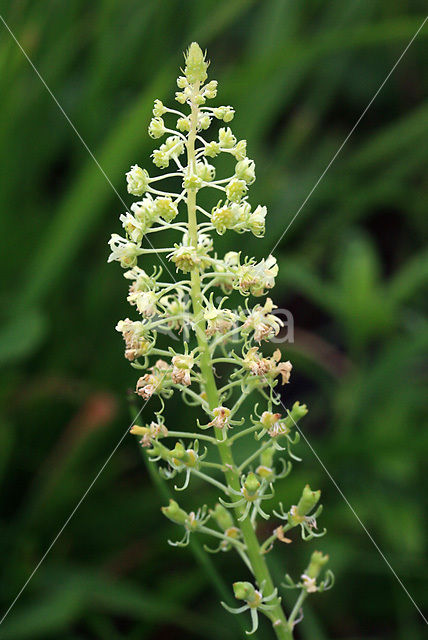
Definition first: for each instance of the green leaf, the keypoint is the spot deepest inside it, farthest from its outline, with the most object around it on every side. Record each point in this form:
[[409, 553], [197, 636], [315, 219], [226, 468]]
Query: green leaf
[[21, 335]]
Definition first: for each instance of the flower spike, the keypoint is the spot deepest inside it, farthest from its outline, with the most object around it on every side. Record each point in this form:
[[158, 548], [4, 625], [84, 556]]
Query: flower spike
[[222, 371]]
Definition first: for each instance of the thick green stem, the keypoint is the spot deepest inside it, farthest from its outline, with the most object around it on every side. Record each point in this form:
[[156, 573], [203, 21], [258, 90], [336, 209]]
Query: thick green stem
[[256, 558]]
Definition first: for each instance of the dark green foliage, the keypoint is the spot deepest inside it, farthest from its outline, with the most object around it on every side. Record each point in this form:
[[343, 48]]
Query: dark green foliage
[[353, 270]]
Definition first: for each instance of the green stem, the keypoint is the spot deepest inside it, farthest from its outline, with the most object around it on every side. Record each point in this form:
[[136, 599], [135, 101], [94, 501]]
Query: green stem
[[245, 432], [257, 560], [221, 536], [297, 607], [228, 360], [229, 386], [254, 455], [186, 434], [210, 480], [238, 403], [266, 544], [213, 465]]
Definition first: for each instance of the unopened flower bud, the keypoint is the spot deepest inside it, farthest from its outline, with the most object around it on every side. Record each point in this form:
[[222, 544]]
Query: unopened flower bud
[[205, 171], [240, 150], [317, 562], [236, 190], [192, 182], [307, 501], [204, 122], [180, 455], [256, 221], [174, 513], [267, 456], [136, 430], [196, 65], [222, 517], [252, 484], [183, 124], [224, 113], [199, 99], [159, 109], [180, 96], [165, 208], [210, 89], [245, 170], [244, 591], [228, 114], [212, 149], [298, 411], [226, 138], [178, 451]]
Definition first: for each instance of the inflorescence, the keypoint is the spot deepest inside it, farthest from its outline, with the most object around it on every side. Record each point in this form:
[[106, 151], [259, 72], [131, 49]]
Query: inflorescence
[[218, 338]]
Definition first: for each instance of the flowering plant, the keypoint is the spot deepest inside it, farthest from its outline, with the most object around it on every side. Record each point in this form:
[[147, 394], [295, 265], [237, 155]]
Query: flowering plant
[[245, 486]]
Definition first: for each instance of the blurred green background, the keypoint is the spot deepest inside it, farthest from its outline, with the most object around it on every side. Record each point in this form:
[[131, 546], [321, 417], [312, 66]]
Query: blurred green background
[[353, 270]]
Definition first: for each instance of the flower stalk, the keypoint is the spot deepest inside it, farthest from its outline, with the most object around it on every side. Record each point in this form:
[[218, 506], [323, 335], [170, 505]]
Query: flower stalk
[[214, 330]]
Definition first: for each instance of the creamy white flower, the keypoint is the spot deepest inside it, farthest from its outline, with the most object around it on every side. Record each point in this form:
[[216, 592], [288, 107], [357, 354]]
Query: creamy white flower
[[165, 208], [157, 127], [123, 251], [309, 584], [158, 108], [225, 217], [236, 190], [185, 258], [176, 309], [268, 270], [218, 320], [246, 170], [136, 338], [182, 365], [221, 417], [256, 221], [132, 227], [264, 324], [138, 180], [255, 278], [205, 242], [144, 212], [226, 138], [231, 258], [142, 281], [205, 171], [145, 301]]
